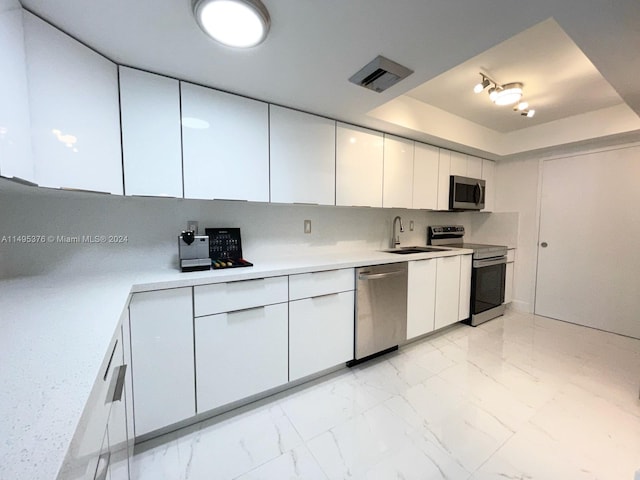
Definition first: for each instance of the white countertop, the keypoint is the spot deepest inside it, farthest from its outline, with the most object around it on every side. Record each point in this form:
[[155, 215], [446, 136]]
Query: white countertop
[[56, 330]]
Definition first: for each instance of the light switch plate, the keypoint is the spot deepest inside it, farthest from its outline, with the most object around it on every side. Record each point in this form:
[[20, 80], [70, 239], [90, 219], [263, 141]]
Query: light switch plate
[[192, 225], [307, 226], [411, 225]]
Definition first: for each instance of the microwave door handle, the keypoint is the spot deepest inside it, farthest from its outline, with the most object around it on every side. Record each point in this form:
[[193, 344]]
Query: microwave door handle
[[477, 193]]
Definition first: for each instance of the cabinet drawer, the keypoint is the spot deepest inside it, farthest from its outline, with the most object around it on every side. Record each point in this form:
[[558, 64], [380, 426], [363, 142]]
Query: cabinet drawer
[[320, 333], [227, 297], [307, 285], [239, 354]]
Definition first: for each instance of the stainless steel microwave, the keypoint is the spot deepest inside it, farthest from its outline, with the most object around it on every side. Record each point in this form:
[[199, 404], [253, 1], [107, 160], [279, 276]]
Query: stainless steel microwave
[[466, 193]]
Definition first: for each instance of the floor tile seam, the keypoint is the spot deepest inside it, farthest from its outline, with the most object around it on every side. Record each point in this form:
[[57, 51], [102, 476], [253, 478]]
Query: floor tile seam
[[317, 460], [495, 452], [288, 452]]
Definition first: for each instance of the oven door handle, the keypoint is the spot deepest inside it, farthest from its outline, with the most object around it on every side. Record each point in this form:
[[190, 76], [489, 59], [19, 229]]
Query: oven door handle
[[489, 262]]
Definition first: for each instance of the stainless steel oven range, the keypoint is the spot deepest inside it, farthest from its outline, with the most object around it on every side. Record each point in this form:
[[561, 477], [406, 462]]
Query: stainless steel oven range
[[487, 275]]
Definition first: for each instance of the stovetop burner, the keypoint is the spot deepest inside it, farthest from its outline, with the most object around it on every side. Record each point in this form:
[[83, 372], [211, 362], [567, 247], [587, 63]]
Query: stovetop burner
[[452, 236]]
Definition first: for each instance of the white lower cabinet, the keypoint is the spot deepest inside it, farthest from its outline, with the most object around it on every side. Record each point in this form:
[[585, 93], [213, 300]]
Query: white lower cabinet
[[464, 306], [161, 325], [421, 297], [447, 291], [117, 431], [239, 354], [508, 284], [99, 448], [320, 333]]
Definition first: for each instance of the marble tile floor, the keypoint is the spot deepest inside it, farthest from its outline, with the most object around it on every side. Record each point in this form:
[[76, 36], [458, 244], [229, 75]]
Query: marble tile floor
[[520, 397]]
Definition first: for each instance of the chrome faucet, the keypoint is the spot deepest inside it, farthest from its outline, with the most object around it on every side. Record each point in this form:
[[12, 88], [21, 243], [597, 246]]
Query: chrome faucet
[[395, 239]]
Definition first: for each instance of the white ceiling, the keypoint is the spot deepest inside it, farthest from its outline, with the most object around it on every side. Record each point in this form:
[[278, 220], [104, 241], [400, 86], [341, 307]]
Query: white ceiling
[[315, 46], [559, 81]]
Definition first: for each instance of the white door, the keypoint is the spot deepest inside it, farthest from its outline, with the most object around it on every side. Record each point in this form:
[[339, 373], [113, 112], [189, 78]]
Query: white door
[[586, 275]]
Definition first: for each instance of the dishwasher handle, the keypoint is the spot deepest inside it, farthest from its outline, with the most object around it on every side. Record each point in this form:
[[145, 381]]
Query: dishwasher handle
[[376, 276]]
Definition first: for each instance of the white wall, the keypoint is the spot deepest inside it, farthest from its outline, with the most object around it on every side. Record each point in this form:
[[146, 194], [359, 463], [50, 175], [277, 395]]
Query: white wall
[[153, 224], [517, 191]]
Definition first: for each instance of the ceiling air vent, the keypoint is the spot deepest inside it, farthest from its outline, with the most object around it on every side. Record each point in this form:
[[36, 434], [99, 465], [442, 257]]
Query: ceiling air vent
[[379, 74]]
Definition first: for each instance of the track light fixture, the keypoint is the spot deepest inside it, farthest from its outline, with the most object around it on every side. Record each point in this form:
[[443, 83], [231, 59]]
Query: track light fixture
[[482, 85], [504, 94]]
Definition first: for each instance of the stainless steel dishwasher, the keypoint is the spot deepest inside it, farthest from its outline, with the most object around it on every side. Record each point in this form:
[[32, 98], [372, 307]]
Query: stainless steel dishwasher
[[381, 309]]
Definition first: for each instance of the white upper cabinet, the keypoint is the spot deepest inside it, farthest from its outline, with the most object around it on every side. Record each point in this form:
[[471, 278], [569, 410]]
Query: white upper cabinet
[[458, 164], [75, 115], [474, 167], [444, 170], [488, 174], [359, 164], [425, 176], [398, 172], [16, 158], [303, 161], [225, 141], [152, 150]]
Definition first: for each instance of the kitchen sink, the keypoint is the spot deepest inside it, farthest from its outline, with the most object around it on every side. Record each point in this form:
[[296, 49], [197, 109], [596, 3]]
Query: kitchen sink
[[409, 250]]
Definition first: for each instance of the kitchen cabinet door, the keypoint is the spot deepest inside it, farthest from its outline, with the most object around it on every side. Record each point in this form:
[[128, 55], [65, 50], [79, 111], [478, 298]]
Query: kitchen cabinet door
[[425, 176], [151, 137], [117, 425], [508, 287], [464, 307], [162, 358], [474, 167], [447, 291], [75, 114], [303, 157], [444, 169], [239, 354], [398, 172], [508, 284], [359, 165], [488, 175], [320, 333], [16, 158], [225, 142], [421, 297], [458, 164]]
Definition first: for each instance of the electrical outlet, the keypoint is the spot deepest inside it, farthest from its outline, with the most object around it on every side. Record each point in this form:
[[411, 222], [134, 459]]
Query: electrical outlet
[[192, 225], [307, 226], [411, 225]]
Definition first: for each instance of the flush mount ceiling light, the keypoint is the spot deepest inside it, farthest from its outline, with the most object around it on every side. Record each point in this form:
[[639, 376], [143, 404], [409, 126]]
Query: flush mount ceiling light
[[235, 23], [507, 94]]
